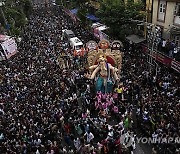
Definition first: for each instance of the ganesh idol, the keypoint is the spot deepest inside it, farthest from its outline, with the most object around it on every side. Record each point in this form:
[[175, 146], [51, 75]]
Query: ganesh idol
[[105, 74]]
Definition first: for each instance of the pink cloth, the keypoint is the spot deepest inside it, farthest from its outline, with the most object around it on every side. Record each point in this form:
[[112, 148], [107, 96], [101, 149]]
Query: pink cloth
[[109, 102], [115, 109], [97, 105], [84, 115], [103, 96], [115, 95], [104, 105]]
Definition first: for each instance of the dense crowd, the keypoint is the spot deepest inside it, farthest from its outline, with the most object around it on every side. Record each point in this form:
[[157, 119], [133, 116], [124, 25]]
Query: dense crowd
[[156, 99], [170, 48], [45, 108]]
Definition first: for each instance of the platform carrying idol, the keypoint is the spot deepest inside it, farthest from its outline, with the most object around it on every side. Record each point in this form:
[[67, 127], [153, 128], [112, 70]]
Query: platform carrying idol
[[104, 67]]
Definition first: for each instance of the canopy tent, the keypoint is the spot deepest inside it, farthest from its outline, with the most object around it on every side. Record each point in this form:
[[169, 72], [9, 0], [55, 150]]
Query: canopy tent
[[92, 17], [74, 11], [89, 16], [135, 39]]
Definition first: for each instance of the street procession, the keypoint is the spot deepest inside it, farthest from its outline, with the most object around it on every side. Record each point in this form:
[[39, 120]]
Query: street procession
[[63, 90]]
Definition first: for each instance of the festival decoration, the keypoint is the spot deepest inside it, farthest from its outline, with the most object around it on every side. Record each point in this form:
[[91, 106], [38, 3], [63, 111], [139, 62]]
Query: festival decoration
[[116, 45], [104, 44], [91, 45]]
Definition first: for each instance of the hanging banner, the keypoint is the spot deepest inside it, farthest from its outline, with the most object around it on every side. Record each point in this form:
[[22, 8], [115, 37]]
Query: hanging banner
[[161, 58], [9, 47]]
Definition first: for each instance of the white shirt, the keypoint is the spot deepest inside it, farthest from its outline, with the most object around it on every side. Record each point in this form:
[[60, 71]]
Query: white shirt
[[175, 50], [163, 43], [77, 143], [90, 136]]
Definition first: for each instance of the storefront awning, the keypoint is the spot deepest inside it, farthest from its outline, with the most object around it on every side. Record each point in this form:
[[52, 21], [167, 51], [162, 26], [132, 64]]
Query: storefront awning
[[92, 17], [135, 39]]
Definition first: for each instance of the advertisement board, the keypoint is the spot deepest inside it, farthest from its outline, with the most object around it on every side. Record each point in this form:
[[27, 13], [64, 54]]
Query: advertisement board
[[9, 47]]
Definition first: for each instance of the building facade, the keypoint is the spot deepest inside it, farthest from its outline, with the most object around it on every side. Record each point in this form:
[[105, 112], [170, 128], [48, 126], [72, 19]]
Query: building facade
[[166, 14]]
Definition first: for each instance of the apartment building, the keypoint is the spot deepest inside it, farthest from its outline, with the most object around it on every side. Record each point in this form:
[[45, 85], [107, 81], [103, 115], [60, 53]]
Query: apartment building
[[166, 14]]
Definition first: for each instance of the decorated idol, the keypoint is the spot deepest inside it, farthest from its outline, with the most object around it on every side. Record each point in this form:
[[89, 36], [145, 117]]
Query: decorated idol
[[104, 66], [105, 74]]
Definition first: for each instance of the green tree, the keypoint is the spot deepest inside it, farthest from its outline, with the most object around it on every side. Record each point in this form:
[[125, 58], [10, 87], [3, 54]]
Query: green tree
[[16, 13], [118, 16], [82, 10], [81, 14]]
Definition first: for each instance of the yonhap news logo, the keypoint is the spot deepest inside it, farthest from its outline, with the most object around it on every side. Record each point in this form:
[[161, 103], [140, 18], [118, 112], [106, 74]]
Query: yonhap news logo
[[129, 139]]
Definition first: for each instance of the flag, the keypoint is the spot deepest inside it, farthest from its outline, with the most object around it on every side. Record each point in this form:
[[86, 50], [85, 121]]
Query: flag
[[126, 122]]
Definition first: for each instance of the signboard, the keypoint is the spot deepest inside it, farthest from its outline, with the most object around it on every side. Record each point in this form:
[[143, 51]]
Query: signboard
[[175, 65], [4, 37], [10, 47]]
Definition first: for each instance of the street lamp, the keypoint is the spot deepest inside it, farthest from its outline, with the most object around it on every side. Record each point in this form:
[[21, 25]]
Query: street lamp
[[2, 4]]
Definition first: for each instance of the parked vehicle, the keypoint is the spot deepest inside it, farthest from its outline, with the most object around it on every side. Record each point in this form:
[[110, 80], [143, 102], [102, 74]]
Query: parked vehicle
[[76, 44], [68, 34]]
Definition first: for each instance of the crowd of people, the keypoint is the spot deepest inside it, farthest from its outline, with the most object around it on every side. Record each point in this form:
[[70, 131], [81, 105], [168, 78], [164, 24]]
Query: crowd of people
[[156, 99], [169, 48], [45, 108]]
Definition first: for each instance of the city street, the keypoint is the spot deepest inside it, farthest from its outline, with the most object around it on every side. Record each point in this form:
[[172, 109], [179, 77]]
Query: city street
[[59, 97]]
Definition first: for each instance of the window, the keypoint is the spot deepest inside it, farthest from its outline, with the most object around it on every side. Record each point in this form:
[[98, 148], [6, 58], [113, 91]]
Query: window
[[162, 8], [79, 47]]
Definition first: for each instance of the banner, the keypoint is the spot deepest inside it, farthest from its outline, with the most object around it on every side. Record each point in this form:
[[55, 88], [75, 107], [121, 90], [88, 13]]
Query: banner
[[10, 47], [168, 61], [175, 65], [161, 58]]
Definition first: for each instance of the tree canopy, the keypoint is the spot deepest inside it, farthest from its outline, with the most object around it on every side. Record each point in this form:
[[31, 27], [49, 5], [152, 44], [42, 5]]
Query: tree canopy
[[118, 16], [16, 14]]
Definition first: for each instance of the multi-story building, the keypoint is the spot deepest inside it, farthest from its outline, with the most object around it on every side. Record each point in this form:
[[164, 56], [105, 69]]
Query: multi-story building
[[166, 14]]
